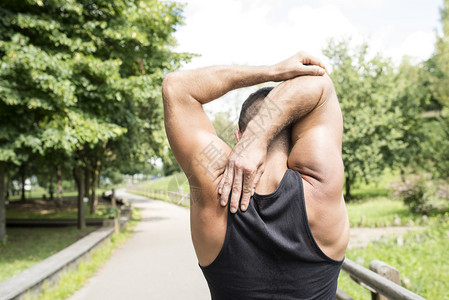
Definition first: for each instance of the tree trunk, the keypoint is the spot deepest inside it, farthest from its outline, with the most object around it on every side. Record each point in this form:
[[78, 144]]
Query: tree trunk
[[79, 179], [2, 207], [59, 186], [87, 184], [402, 175], [50, 188], [22, 178], [348, 195], [94, 196], [7, 188]]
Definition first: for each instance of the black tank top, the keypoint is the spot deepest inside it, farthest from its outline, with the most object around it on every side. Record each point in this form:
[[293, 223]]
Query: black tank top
[[269, 251]]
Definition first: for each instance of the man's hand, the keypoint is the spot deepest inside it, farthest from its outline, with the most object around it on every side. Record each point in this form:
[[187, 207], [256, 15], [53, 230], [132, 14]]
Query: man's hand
[[299, 64], [246, 162], [243, 172]]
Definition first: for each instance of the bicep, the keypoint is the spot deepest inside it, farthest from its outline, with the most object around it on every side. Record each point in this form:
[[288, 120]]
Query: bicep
[[318, 161], [316, 151]]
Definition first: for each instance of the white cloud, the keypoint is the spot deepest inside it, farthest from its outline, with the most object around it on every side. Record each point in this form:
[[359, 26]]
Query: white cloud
[[357, 4], [258, 32], [225, 32], [418, 45], [233, 32]]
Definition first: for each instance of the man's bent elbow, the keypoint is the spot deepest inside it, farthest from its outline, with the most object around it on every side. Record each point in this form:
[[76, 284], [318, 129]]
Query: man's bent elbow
[[329, 82], [169, 87], [327, 85]]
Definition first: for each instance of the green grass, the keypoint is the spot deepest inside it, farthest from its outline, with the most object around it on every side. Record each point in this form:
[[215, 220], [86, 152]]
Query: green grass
[[73, 280], [175, 183], [37, 192], [103, 211], [362, 190], [27, 246], [379, 212], [370, 190], [422, 259]]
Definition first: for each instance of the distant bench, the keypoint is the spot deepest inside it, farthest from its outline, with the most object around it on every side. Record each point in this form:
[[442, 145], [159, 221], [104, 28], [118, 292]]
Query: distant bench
[[53, 222]]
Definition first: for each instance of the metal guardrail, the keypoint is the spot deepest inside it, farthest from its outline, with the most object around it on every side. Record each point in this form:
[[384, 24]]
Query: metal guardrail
[[378, 280], [175, 197]]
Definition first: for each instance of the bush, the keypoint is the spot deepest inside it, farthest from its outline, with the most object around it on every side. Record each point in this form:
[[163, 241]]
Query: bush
[[422, 258], [422, 194]]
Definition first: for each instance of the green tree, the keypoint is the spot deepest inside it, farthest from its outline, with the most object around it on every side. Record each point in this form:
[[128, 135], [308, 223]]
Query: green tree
[[413, 100], [367, 92], [436, 145], [440, 60], [170, 165], [82, 79], [224, 126], [2, 207]]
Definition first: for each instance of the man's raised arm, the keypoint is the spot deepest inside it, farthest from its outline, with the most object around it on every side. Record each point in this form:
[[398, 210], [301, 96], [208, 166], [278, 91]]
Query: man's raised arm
[[291, 101], [188, 129]]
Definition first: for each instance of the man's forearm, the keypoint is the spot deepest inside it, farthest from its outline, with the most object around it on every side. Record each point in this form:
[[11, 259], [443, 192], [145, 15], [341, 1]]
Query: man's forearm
[[210, 83], [287, 103]]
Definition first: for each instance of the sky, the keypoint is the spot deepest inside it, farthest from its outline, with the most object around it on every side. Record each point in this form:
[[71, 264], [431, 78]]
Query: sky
[[260, 32]]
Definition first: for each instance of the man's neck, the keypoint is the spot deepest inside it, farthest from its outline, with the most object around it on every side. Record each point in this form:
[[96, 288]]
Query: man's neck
[[275, 167]]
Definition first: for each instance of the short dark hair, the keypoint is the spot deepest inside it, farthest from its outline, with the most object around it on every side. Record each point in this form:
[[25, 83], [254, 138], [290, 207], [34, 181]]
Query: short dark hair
[[251, 106]]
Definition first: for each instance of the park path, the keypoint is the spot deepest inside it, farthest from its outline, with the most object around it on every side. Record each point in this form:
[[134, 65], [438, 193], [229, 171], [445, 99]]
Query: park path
[[157, 262], [361, 237]]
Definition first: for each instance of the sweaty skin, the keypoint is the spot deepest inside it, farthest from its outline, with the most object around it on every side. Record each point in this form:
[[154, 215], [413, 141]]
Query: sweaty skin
[[308, 103]]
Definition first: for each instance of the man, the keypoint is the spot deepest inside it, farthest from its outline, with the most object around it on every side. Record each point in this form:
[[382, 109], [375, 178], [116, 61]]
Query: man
[[288, 239]]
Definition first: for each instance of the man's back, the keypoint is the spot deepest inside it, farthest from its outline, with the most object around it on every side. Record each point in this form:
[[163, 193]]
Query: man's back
[[269, 251]]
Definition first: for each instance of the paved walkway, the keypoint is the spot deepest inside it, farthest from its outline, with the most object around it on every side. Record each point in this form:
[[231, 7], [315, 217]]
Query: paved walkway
[[156, 262], [362, 236]]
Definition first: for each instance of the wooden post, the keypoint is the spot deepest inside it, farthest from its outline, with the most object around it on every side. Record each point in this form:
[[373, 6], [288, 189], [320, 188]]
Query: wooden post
[[386, 271], [114, 206], [341, 295]]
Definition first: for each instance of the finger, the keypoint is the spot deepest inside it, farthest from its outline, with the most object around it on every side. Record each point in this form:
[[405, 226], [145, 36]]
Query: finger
[[312, 60], [222, 181], [257, 179], [247, 190], [236, 189], [312, 70], [227, 184], [221, 185]]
